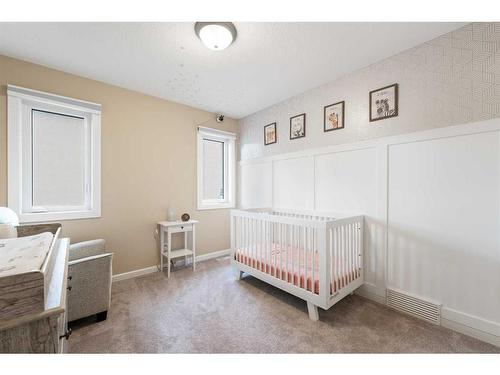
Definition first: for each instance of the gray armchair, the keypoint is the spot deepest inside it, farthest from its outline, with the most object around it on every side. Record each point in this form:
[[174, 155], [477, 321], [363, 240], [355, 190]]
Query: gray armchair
[[89, 270]]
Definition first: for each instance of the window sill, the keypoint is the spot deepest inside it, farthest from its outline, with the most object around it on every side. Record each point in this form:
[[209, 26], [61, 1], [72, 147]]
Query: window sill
[[216, 206], [39, 217]]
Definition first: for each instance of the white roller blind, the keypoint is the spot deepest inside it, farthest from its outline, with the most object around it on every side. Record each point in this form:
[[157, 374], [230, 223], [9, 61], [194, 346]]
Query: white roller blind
[[58, 160], [213, 169]]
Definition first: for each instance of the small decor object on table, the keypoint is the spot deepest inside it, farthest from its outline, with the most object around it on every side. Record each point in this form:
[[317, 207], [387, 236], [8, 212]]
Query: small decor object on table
[[298, 126], [270, 134], [185, 217], [171, 214], [384, 103], [334, 116]]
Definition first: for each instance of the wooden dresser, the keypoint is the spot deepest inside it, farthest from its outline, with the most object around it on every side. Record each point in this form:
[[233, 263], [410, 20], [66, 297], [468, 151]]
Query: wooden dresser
[[43, 329]]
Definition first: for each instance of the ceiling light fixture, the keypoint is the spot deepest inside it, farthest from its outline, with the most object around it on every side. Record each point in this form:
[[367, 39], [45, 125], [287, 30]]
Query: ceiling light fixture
[[215, 35]]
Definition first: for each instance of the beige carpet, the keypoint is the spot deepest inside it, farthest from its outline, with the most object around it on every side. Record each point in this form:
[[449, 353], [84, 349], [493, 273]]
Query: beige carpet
[[209, 311]]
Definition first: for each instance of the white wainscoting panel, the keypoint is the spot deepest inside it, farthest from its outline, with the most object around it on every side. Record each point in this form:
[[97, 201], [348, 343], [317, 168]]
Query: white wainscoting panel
[[346, 183], [444, 241], [257, 180], [293, 183]]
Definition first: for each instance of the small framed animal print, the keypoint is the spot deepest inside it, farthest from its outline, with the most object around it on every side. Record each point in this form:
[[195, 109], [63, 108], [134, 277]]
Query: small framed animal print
[[270, 134], [298, 126], [334, 116], [384, 103]]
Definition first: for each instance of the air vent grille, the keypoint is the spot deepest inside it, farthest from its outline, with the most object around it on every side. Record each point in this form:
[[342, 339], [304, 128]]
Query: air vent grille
[[414, 306]]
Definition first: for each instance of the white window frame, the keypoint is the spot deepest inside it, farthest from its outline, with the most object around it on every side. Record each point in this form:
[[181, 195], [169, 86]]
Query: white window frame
[[229, 140], [20, 103]]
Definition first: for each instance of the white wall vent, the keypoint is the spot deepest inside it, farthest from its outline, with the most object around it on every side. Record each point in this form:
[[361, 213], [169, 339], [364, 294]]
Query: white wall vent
[[414, 305]]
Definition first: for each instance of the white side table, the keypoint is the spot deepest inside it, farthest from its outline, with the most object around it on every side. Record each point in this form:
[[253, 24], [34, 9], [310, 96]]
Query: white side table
[[167, 228]]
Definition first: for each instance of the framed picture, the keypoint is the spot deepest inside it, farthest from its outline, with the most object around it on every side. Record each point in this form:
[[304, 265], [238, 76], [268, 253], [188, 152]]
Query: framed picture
[[384, 103], [334, 116], [298, 126], [270, 134]]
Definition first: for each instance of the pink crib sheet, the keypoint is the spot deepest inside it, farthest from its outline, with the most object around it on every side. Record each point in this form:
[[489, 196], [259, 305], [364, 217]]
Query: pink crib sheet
[[291, 265]]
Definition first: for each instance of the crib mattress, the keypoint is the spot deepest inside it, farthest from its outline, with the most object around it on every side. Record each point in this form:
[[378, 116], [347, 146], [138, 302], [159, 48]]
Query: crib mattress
[[293, 266]]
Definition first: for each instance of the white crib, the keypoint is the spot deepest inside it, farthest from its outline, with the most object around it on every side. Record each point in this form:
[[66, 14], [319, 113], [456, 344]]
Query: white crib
[[315, 257]]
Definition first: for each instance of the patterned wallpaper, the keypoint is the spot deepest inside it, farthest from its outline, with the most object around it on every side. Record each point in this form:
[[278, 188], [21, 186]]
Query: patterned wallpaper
[[451, 80]]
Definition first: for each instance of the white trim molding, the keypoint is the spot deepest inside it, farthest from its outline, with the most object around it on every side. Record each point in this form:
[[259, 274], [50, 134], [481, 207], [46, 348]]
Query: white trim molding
[[153, 269], [229, 165], [135, 273], [213, 255], [21, 103], [471, 325]]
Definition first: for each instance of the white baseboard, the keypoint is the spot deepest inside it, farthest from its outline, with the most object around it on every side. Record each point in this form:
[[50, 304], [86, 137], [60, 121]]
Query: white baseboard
[[135, 273], [471, 325], [213, 255], [148, 270], [371, 292]]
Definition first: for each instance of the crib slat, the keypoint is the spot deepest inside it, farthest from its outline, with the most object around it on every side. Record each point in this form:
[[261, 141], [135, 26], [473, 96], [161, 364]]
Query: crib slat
[[356, 250], [283, 250], [360, 246], [246, 239], [342, 257], [332, 258], [350, 253], [269, 246], [238, 236], [259, 242], [313, 259], [275, 247], [280, 264], [287, 240], [263, 241], [242, 239], [348, 249], [295, 248], [336, 251], [247, 247], [346, 229], [254, 243]]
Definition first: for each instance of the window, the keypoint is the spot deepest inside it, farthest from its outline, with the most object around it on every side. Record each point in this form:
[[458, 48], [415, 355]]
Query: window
[[216, 161], [54, 156]]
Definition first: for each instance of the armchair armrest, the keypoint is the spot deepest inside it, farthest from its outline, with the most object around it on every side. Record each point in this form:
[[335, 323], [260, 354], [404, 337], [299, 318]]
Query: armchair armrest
[[86, 249], [90, 258]]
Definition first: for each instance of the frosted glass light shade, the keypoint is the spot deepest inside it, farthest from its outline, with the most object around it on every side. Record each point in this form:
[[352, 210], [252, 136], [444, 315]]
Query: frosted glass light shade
[[217, 35]]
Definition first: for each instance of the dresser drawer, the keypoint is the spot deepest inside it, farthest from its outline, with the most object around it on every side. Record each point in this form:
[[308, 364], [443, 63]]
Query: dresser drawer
[[181, 228]]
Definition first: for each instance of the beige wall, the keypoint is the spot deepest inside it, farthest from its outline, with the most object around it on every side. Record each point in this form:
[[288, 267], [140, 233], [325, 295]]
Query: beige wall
[[148, 164]]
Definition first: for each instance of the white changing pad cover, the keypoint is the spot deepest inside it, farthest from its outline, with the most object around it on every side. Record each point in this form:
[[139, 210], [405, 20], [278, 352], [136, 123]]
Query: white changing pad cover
[[24, 254]]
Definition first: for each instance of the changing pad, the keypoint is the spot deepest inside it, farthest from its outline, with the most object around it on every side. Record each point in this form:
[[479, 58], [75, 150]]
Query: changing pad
[[24, 254]]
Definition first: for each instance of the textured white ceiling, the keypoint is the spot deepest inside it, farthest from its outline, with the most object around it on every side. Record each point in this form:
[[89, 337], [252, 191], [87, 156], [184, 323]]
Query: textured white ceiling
[[268, 63]]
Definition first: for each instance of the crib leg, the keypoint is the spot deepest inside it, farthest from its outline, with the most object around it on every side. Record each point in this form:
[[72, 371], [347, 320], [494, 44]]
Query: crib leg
[[313, 311], [239, 274]]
